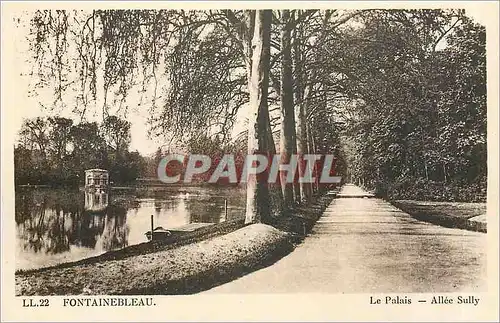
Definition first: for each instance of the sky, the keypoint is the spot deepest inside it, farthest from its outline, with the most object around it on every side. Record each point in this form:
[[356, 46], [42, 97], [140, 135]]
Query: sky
[[29, 106]]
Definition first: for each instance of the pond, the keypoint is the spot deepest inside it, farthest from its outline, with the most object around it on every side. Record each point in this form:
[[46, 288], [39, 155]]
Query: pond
[[60, 225]]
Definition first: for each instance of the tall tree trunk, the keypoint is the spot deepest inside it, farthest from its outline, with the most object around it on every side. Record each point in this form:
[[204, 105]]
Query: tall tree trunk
[[300, 114], [304, 89], [288, 143], [246, 38], [301, 144], [445, 177], [426, 170], [295, 59], [310, 150], [302, 149], [316, 169], [259, 206]]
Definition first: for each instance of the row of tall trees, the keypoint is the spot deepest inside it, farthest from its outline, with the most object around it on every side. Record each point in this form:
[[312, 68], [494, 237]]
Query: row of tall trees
[[207, 65], [56, 151], [278, 58], [387, 80], [418, 125]]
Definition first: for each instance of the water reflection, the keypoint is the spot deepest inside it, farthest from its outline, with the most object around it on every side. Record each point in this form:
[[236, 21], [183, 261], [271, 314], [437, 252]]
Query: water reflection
[[204, 209], [116, 229], [96, 201], [55, 226]]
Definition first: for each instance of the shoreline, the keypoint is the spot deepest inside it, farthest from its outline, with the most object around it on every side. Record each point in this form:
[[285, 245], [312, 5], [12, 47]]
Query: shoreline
[[203, 259], [129, 186], [149, 247]]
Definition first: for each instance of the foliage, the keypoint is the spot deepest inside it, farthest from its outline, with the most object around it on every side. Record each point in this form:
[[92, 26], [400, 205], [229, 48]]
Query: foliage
[[420, 114], [62, 151], [398, 96]]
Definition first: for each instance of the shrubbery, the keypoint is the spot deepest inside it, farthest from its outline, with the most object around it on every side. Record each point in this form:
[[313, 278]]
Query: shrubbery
[[409, 188]]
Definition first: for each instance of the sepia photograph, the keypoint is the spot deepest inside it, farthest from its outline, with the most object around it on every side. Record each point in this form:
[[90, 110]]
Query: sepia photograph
[[242, 151]]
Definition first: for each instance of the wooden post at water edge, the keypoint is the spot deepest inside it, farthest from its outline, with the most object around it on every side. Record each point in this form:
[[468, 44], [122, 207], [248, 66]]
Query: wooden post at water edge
[[225, 209], [152, 227]]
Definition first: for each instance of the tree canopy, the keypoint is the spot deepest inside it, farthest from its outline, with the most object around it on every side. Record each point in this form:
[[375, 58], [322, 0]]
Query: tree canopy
[[398, 96]]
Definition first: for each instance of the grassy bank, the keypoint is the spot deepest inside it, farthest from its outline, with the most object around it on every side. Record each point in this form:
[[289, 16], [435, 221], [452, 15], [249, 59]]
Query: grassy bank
[[181, 270], [190, 265], [447, 214], [144, 248], [410, 188]]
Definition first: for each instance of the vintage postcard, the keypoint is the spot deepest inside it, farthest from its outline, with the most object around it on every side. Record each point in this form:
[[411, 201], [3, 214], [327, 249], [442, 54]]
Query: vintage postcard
[[249, 161]]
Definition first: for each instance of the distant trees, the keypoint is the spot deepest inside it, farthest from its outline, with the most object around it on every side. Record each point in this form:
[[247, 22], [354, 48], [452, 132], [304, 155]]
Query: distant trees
[[88, 149], [59, 138], [116, 133], [56, 151]]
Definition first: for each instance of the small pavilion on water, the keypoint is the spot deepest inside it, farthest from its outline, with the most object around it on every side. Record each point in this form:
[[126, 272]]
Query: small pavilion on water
[[97, 178]]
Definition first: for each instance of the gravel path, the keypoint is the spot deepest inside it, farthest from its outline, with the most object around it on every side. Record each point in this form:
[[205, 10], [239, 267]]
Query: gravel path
[[363, 245]]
